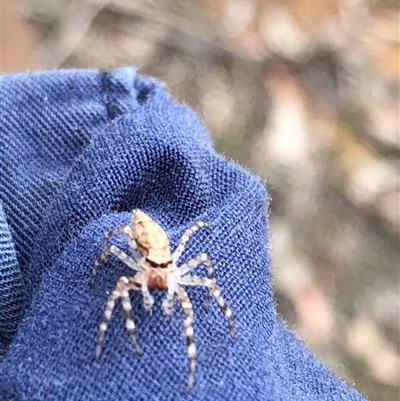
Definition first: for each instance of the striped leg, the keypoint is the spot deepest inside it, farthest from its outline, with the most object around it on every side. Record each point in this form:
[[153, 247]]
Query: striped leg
[[185, 238], [124, 284], [168, 303], [202, 281], [188, 327], [192, 264], [148, 300], [107, 249], [121, 255]]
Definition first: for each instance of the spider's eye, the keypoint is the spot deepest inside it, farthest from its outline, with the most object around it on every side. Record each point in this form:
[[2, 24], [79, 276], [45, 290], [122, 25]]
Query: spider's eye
[[164, 265], [157, 265], [152, 263]]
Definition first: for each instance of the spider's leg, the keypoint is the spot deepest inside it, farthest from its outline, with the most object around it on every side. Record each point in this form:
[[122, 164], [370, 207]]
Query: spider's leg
[[148, 300], [188, 327], [107, 248], [192, 264], [122, 288], [127, 307], [185, 238], [216, 292], [211, 276], [168, 303], [128, 260]]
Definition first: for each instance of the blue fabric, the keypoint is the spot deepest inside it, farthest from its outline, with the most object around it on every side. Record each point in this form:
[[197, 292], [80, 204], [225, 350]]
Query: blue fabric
[[79, 151]]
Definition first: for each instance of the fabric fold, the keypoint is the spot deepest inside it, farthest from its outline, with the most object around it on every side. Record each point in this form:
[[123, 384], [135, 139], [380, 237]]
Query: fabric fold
[[137, 148]]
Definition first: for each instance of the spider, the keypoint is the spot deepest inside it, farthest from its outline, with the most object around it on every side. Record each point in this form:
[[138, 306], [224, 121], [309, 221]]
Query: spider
[[156, 269]]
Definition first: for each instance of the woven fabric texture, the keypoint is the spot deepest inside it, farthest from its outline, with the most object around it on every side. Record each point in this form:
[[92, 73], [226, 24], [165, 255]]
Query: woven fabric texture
[[79, 151]]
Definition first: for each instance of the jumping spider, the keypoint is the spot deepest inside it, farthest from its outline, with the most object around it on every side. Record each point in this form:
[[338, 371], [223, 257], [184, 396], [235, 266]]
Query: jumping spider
[[156, 268]]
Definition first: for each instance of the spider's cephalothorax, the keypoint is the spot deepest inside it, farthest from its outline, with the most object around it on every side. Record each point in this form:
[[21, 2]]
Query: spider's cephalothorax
[[156, 268]]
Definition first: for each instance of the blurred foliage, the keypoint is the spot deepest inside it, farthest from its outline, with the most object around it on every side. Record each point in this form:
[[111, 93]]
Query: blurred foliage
[[305, 93]]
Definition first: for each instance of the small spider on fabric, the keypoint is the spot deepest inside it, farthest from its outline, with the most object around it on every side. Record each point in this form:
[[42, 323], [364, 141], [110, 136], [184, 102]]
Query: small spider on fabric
[[156, 269]]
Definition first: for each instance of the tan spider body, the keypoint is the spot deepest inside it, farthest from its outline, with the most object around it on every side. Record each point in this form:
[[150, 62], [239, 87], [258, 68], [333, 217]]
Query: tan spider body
[[153, 244], [156, 269]]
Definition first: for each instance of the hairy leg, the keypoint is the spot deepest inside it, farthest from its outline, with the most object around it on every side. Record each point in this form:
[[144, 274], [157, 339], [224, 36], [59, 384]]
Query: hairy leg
[[185, 238], [148, 300], [108, 249], [124, 285], [192, 264], [216, 292], [188, 327], [168, 303]]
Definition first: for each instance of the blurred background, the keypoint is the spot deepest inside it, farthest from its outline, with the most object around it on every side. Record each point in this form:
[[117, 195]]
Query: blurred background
[[305, 93]]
